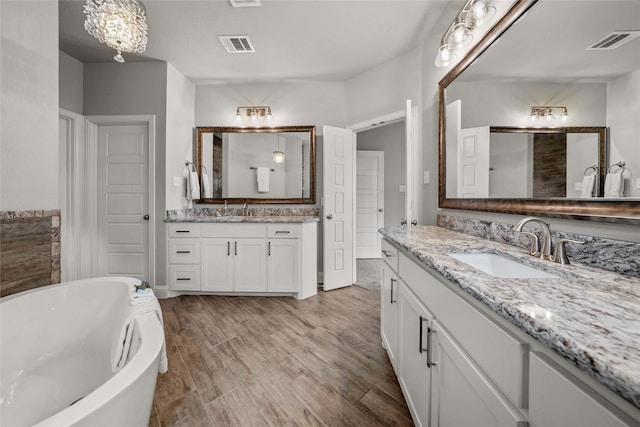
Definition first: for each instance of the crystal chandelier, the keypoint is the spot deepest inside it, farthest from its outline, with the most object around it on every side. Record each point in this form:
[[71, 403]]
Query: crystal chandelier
[[120, 24]]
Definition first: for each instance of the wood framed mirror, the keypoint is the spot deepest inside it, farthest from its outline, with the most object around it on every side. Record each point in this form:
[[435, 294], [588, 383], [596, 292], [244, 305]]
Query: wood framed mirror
[[257, 164], [484, 65]]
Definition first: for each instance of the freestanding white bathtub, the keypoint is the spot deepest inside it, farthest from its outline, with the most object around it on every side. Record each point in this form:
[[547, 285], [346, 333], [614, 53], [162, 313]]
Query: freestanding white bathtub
[[56, 345]]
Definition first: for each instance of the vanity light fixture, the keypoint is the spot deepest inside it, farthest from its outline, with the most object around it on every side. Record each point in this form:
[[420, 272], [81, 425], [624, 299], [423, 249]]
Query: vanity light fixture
[[546, 113], [120, 24], [254, 115], [473, 14]]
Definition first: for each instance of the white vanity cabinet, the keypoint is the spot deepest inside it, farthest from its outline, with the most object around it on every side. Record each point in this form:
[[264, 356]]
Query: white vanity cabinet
[[414, 374], [389, 293], [243, 258], [461, 364]]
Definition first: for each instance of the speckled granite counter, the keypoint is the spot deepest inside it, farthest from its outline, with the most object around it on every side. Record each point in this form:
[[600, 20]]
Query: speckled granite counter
[[246, 219], [590, 316]]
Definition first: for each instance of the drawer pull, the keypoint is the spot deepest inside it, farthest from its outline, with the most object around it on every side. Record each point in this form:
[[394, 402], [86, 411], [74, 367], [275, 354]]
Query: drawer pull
[[228, 248], [386, 253], [420, 347], [235, 248], [183, 231], [183, 252], [269, 248], [183, 278], [391, 300], [282, 232], [430, 362]]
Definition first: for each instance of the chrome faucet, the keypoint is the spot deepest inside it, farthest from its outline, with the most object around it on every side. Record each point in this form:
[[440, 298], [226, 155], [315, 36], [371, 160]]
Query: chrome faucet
[[245, 210], [226, 206], [542, 251]]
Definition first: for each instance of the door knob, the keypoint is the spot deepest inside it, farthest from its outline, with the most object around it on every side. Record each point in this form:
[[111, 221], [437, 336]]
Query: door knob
[[146, 217], [380, 210], [403, 221], [329, 216], [414, 222]]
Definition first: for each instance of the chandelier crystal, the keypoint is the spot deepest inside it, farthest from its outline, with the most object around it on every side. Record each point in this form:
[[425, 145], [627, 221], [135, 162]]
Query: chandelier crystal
[[120, 24]]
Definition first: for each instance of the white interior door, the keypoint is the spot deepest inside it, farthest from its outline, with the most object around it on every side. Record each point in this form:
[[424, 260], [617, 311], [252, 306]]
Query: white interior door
[[123, 200], [473, 163], [369, 202], [338, 208]]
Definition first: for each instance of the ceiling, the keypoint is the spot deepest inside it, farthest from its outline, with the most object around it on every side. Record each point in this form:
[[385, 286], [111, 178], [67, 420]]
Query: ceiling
[[321, 40], [549, 44]]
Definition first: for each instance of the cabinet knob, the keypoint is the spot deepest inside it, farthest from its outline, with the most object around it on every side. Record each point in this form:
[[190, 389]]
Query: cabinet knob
[[329, 216], [146, 217]]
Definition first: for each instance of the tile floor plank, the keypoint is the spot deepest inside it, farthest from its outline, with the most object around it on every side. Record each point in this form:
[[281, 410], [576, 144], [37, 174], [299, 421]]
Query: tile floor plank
[[277, 361]]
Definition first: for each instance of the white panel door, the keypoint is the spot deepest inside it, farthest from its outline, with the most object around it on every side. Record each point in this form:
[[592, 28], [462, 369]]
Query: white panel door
[[338, 210], [123, 200], [369, 202], [473, 163]]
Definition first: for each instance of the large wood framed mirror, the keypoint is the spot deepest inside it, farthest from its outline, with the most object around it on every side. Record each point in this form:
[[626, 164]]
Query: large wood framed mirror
[[257, 165], [496, 85]]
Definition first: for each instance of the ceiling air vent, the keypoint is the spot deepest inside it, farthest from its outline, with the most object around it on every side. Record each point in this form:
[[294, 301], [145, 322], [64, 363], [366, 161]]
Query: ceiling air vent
[[244, 3], [614, 40], [237, 44]]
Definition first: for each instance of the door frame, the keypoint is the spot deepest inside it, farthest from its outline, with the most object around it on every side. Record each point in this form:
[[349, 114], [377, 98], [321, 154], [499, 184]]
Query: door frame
[[89, 174]]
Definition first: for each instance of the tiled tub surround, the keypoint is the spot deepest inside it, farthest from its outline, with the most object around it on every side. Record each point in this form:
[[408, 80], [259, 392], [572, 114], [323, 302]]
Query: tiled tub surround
[[589, 316], [618, 256], [29, 250], [259, 215]]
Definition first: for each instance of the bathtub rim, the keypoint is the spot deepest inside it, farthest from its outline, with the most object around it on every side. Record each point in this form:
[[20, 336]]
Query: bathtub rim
[[147, 356]]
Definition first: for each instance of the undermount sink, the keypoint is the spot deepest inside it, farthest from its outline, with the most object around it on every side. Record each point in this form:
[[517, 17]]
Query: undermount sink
[[499, 266]]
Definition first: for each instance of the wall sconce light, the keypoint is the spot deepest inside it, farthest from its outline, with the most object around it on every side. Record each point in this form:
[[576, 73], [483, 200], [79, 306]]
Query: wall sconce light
[[472, 15], [254, 115], [546, 113]]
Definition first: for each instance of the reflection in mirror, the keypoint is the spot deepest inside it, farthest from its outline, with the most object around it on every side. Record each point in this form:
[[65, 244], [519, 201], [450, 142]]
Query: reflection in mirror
[[523, 163], [257, 165], [498, 84]]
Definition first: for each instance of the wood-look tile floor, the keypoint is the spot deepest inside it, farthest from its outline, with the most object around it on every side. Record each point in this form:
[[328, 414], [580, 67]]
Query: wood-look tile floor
[[271, 361]]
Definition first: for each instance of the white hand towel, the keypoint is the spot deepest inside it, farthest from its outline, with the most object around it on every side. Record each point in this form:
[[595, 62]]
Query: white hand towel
[[587, 185], [613, 184], [206, 186], [141, 302], [193, 186], [262, 175]]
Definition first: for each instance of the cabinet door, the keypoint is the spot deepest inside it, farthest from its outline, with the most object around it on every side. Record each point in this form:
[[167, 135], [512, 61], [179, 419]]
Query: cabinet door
[[389, 313], [250, 265], [282, 265], [461, 394], [558, 399], [413, 373], [217, 265]]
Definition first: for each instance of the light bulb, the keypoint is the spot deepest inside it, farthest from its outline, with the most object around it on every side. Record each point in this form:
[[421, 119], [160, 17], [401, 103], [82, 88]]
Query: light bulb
[[238, 116], [548, 116], [564, 116], [534, 116], [445, 56], [254, 115], [459, 33], [479, 10]]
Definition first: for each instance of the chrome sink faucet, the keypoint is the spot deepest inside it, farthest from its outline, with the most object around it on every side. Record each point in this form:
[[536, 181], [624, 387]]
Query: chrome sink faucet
[[542, 251], [245, 210], [226, 206]]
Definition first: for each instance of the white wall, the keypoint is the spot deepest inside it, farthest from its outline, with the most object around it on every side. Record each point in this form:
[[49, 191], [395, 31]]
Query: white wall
[[29, 105], [71, 83], [384, 89], [623, 119], [391, 140], [509, 104], [180, 134]]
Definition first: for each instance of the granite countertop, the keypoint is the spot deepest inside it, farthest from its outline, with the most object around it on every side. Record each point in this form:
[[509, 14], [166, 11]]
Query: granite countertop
[[245, 219], [589, 316]]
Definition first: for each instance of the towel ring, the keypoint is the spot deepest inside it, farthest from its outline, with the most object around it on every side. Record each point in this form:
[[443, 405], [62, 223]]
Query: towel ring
[[621, 165], [205, 169], [594, 168], [189, 164]]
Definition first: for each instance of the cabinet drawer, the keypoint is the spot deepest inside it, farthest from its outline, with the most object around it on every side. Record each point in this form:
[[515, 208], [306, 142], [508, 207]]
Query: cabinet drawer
[[283, 231], [233, 231], [184, 277], [501, 354], [390, 255], [184, 251], [184, 230], [559, 399]]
